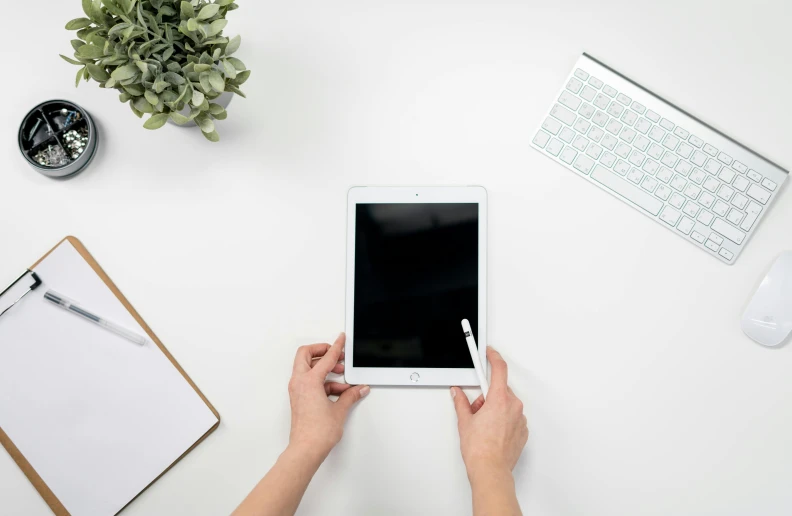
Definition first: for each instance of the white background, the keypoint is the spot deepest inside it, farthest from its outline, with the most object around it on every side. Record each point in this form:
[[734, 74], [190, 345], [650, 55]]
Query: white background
[[642, 394]]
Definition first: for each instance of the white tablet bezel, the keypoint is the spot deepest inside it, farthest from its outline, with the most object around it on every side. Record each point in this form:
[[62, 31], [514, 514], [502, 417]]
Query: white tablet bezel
[[415, 376]]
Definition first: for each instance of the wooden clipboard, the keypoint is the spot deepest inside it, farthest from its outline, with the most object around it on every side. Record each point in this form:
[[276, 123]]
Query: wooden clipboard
[[45, 492]]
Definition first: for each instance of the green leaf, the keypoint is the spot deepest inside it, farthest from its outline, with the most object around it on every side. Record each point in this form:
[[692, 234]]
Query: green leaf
[[179, 118], [124, 97], [90, 51], [192, 24], [97, 72], [152, 97], [208, 11], [70, 60], [156, 121], [76, 43], [87, 6], [230, 71], [78, 23], [124, 72], [187, 10], [233, 45], [79, 76], [143, 67], [241, 78], [202, 68], [136, 90], [212, 137], [135, 110], [174, 78], [117, 28], [216, 108], [230, 87], [217, 26], [167, 10], [223, 3], [197, 98], [221, 115], [239, 65], [216, 80], [142, 105], [205, 84], [167, 54]]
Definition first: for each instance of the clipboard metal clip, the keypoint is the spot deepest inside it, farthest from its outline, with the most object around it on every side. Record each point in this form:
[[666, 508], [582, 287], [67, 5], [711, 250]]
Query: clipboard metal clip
[[36, 284]]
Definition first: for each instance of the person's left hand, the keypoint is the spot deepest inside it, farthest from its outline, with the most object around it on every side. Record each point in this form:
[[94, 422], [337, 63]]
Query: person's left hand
[[317, 423]]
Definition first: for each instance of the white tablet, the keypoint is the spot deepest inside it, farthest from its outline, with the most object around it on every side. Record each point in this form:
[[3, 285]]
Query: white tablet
[[416, 266]]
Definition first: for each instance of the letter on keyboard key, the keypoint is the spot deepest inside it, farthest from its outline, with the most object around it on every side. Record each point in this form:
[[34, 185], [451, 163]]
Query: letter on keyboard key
[[609, 91], [581, 126], [758, 193], [622, 150], [551, 125], [621, 168], [569, 100], [649, 184], [696, 141], [601, 101], [670, 216], [554, 147], [709, 149], [681, 133], [726, 175], [567, 134], [581, 74], [567, 155], [684, 150], [607, 159], [580, 143], [698, 237], [740, 183], [685, 225], [712, 166], [541, 139], [753, 175], [728, 255], [698, 158], [594, 150], [624, 99], [640, 108], [563, 114], [574, 85], [588, 93], [735, 216], [643, 125], [712, 246], [705, 217], [730, 232], [725, 158], [667, 124], [595, 82], [584, 164], [753, 208], [663, 192], [770, 185], [716, 238], [670, 142], [739, 167], [586, 110], [651, 115], [632, 193], [748, 223]]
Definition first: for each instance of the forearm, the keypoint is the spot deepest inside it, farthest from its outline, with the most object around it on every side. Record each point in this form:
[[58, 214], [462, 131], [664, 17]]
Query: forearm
[[280, 491], [493, 492]]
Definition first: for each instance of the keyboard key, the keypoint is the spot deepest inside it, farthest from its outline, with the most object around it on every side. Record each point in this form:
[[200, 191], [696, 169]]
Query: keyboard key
[[595, 82], [663, 192], [667, 124], [684, 150], [635, 175], [678, 183], [586, 111], [609, 91], [758, 193], [730, 232], [624, 99], [607, 159], [623, 150], [705, 217], [683, 134], [725, 158], [669, 159], [640, 108], [551, 125], [696, 141], [600, 118], [568, 155], [588, 93], [582, 125], [712, 246], [753, 214], [753, 208], [649, 184], [582, 75], [698, 237], [629, 117], [676, 200], [621, 167], [670, 142], [664, 175], [740, 183], [632, 193], [726, 254], [594, 150], [615, 109], [692, 191], [697, 176], [725, 193], [574, 85], [740, 201], [595, 133], [636, 158], [627, 135], [563, 114], [709, 149], [735, 216], [650, 167], [691, 209], [641, 142], [706, 199], [567, 134], [643, 125], [683, 167], [657, 134], [739, 167], [711, 184], [721, 208], [541, 139], [601, 101], [698, 158], [753, 175], [685, 225], [583, 164], [580, 143], [727, 175], [614, 126], [554, 147], [651, 115], [716, 238], [712, 166], [670, 216], [770, 185]]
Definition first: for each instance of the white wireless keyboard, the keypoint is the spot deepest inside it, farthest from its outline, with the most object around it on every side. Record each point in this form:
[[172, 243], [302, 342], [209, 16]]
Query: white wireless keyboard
[[672, 167]]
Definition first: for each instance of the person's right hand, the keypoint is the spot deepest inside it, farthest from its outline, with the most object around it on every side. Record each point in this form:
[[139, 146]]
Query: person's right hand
[[492, 434]]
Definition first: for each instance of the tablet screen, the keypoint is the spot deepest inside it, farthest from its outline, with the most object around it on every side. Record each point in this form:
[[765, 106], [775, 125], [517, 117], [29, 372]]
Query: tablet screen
[[416, 278]]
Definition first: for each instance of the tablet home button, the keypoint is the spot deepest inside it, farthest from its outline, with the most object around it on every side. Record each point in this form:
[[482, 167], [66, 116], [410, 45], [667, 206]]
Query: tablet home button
[[415, 377]]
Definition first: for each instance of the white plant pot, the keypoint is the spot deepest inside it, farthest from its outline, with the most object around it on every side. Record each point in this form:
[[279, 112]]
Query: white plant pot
[[224, 100]]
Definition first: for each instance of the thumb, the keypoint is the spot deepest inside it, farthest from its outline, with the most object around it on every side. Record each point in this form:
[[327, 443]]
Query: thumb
[[461, 404], [351, 396]]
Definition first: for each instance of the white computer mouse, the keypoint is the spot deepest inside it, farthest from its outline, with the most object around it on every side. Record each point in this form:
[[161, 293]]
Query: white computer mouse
[[768, 318]]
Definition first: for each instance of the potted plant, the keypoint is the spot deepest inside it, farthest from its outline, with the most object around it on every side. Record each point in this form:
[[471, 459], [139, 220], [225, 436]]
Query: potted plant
[[167, 58]]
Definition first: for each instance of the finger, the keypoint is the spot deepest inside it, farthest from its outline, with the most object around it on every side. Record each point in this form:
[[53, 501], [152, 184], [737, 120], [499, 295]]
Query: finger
[[525, 421], [351, 396], [476, 405], [306, 354], [316, 360], [461, 404], [338, 369], [335, 388], [500, 371], [330, 359]]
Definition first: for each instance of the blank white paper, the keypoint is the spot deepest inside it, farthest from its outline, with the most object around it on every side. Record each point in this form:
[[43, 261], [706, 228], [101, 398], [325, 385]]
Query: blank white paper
[[98, 417]]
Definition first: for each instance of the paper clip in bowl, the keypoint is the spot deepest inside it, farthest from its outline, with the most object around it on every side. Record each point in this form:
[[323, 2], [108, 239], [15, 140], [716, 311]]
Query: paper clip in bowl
[[27, 274]]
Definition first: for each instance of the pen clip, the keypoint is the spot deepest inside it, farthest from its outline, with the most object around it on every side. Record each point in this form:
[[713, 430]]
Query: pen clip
[[36, 284]]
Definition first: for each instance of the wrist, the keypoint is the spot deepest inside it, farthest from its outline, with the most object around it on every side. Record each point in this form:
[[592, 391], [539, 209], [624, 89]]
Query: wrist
[[483, 471], [303, 455]]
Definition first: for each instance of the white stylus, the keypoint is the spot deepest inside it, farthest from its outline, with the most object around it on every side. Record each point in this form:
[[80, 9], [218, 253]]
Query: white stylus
[[471, 344]]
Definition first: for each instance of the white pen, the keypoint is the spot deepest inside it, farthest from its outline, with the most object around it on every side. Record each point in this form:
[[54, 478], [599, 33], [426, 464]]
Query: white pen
[[70, 306], [471, 344]]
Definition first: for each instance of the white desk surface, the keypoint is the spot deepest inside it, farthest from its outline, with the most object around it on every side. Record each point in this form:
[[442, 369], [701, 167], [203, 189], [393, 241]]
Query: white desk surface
[[643, 396]]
